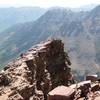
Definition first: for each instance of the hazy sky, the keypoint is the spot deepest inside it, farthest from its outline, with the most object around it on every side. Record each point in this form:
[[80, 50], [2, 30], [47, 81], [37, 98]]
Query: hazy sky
[[47, 3]]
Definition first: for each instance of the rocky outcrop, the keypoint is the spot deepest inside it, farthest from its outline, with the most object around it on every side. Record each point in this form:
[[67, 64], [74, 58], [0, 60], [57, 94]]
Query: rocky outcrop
[[36, 72], [85, 90]]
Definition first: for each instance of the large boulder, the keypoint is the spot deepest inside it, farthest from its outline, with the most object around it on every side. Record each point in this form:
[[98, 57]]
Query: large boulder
[[61, 93]]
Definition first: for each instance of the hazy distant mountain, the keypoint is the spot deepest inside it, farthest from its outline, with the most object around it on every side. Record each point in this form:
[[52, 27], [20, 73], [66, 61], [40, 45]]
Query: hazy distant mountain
[[11, 16], [79, 30], [85, 8]]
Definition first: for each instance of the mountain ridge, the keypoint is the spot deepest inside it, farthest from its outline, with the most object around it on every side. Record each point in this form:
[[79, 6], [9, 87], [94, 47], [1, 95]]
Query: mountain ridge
[[11, 16], [79, 31]]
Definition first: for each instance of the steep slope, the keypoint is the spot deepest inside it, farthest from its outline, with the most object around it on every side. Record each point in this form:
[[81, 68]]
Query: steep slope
[[84, 39], [79, 30], [11, 16], [95, 30], [24, 35], [37, 71]]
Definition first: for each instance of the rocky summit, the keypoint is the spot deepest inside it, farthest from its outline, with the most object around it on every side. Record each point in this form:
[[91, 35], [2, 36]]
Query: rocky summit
[[43, 73], [36, 72]]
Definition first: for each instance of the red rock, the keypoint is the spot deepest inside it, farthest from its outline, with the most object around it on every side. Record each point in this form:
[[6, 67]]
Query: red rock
[[97, 98], [61, 93], [81, 84], [4, 97], [95, 87], [41, 68], [93, 78]]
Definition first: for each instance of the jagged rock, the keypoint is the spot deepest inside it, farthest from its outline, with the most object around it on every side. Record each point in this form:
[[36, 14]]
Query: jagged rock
[[38, 95], [95, 87], [36, 72], [81, 85], [86, 90], [17, 96], [93, 78], [4, 80], [99, 80]]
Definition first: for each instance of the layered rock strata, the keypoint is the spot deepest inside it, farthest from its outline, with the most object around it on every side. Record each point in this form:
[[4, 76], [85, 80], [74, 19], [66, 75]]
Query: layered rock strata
[[37, 71]]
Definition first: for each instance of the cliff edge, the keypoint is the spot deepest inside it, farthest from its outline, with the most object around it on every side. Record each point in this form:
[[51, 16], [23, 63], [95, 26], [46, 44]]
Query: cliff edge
[[36, 72]]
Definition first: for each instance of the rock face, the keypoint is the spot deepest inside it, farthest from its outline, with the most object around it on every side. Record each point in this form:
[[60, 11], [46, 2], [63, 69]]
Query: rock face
[[36, 72]]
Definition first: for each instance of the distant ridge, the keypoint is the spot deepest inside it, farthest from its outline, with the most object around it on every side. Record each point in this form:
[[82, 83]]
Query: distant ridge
[[11, 16], [79, 30]]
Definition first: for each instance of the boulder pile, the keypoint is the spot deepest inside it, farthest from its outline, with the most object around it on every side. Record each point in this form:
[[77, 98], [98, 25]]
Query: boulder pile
[[85, 90]]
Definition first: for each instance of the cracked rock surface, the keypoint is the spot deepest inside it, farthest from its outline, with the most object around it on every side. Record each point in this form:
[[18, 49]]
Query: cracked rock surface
[[36, 72]]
